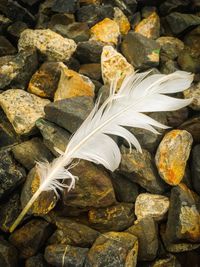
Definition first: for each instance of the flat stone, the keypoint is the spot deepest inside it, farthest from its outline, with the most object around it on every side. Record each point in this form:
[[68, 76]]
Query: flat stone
[[155, 206], [37, 260], [11, 174], [114, 218], [193, 92], [195, 168], [53, 136], [93, 189], [122, 21], [139, 168], [106, 31], [6, 48], [140, 51], [172, 155], [65, 255], [16, 70], [105, 250], [30, 237], [147, 239], [69, 113], [192, 126], [64, 7], [89, 51], [8, 254], [189, 60], [72, 233], [50, 44], [22, 109], [114, 65]]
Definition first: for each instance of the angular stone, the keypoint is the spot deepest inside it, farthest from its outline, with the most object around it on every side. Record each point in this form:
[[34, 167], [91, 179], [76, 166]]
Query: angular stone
[[53, 136], [147, 234], [93, 189], [65, 255], [50, 44], [122, 21], [30, 237], [195, 168], [139, 168], [194, 93], [106, 31], [37, 260], [89, 52], [6, 48], [92, 70], [151, 205], [69, 113], [63, 6], [16, 70], [8, 254], [22, 109], [114, 218], [192, 126], [113, 249], [172, 155], [72, 233], [11, 174], [140, 51], [113, 65], [189, 60]]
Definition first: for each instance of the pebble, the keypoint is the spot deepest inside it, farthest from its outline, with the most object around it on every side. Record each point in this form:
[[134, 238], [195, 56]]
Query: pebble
[[169, 66], [7, 250], [61, 19], [62, 6], [155, 206], [106, 31], [172, 5], [114, 65], [192, 39], [113, 249], [177, 117], [172, 155], [192, 126], [195, 168], [149, 27], [89, 51], [50, 44], [91, 70], [189, 59], [193, 92], [121, 20], [37, 260], [22, 109]]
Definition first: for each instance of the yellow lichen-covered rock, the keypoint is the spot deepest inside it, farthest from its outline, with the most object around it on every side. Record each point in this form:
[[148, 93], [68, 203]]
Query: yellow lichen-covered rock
[[172, 155], [106, 31], [114, 65], [122, 21], [73, 84], [150, 26]]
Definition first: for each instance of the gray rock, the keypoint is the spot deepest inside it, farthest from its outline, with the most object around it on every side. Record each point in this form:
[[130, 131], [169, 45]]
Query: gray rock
[[195, 168], [69, 113], [63, 6], [6, 48], [89, 51], [37, 260], [8, 254]]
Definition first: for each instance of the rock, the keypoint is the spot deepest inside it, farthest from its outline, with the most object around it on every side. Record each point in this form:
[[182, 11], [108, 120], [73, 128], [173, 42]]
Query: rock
[[168, 67], [50, 44], [16, 70], [192, 126], [139, 168], [140, 51], [62, 6], [44, 81], [8, 254], [72, 84], [113, 65], [147, 11], [192, 39], [69, 113], [172, 155], [88, 2], [37, 260], [135, 19], [168, 261], [127, 6], [30, 152], [155, 206], [194, 93], [196, 168], [65, 255], [89, 52], [179, 22], [94, 188], [11, 174], [4, 23], [53, 136], [106, 31], [30, 237], [16, 28], [91, 70], [121, 20], [44, 203], [61, 19], [172, 5], [189, 60], [22, 109], [147, 240], [72, 233], [149, 27], [177, 117], [6, 48], [30, 2], [113, 249], [114, 218]]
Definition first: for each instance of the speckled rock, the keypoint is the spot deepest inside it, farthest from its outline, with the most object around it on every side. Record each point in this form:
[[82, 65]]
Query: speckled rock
[[195, 168], [11, 174], [189, 59], [37, 260], [122, 21], [115, 218], [65, 255], [91, 70], [50, 44], [89, 52], [105, 250], [192, 126], [140, 51], [8, 254], [106, 31], [172, 155], [22, 109], [30, 237], [94, 188], [150, 26], [155, 206], [139, 168], [193, 92], [113, 65], [72, 233], [147, 239]]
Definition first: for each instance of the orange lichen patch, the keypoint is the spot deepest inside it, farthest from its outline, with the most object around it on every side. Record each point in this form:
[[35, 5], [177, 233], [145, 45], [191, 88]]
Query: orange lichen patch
[[122, 21]]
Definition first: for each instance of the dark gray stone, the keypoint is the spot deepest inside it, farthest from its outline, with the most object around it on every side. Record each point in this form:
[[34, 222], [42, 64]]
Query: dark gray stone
[[8, 254], [174, 5], [195, 168], [6, 48], [64, 6], [192, 125], [37, 260]]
